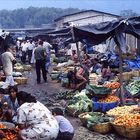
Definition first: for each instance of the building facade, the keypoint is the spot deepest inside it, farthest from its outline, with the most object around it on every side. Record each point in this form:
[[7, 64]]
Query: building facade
[[84, 18]]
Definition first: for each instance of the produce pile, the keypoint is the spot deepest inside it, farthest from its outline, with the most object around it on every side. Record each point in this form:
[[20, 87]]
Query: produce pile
[[131, 120], [20, 68], [121, 111], [112, 85], [79, 104], [133, 87], [2, 126], [67, 95], [95, 118], [109, 99], [9, 133], [97, 90]]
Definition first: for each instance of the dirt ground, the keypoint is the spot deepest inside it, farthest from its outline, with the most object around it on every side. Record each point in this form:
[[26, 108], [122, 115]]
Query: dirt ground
[[45, 92]]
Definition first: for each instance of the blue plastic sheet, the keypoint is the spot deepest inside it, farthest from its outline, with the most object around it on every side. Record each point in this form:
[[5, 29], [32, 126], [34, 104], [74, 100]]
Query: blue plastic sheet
[[103, 107], [133, 64]]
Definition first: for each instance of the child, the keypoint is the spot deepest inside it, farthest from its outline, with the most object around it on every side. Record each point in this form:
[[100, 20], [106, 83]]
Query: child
[[66, 131]]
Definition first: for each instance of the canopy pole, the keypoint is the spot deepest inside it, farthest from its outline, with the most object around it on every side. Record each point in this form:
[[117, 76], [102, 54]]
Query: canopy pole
[[121, 76], [78, 52]]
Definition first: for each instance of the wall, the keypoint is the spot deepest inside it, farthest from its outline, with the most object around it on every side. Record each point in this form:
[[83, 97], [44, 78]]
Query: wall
[[85, 18]]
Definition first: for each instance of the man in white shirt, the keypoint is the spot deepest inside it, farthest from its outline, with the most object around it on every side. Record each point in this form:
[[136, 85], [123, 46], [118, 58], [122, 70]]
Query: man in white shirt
[[7, 62], [30, 48], [24, 51]]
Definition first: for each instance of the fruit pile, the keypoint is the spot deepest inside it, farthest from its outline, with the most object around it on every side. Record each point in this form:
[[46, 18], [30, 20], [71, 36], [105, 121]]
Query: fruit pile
[[132, 120], [2, 126], [121, 110], [112, 85], [9, 136], [109, 99]]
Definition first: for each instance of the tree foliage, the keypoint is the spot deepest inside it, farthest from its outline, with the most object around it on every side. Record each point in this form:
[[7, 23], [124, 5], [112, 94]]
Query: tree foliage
[[128, 13], [32, 16]]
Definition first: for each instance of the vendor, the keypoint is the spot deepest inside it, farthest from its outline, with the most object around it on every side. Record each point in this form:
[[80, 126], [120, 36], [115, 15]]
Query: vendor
[[105, 71], [95, 66], [35, 121], [9, 105], [82, 76], [78, 77], [74, 56], [86, 61]]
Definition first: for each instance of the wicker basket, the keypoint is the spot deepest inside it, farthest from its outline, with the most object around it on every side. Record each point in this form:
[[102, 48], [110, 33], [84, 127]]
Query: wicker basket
[[27, 67], [127, 132], [102, 128], [126, 76], [20, 80], [18, 69], [72, 112], [135, 73], [83, 120]]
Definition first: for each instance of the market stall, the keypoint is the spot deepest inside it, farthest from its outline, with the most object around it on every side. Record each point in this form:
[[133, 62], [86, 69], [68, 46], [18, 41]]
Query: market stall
[[108, 101]]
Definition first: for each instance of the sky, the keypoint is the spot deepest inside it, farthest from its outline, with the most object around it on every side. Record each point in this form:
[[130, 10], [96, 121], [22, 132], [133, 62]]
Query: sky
[[111, 6]]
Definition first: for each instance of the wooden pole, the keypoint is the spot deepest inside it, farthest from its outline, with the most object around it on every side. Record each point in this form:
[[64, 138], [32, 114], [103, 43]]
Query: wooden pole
[[78, 52], [121, 76]]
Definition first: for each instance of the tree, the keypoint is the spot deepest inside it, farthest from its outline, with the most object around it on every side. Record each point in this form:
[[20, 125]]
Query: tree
[[128, 13], [32, 16]]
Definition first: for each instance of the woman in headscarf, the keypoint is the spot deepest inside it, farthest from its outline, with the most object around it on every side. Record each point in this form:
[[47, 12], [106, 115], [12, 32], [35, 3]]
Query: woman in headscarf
[[34, 120]]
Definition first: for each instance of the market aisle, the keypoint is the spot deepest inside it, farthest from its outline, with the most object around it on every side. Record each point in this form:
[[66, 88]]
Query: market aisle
[[44, 91]]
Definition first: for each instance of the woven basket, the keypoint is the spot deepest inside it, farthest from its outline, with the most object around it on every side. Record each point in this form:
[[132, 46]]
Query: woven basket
[[135, 73], [27, 67], [72, 112], [83, 120], [127, 132], [20, 80], [102, 128], [126, 76], [18, 69]]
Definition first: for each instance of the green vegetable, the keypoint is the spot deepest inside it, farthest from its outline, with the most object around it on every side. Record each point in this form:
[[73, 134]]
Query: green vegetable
[[98, 89], [133, 87]]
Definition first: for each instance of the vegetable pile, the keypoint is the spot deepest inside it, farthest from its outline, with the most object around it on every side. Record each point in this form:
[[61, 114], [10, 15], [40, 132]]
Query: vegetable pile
[[98, 90], [95, 118], [67, 95], [80, 103], [133, 87]]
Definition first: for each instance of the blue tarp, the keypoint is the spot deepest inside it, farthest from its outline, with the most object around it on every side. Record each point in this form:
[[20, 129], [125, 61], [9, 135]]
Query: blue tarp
[[133, 64], [97, 106]]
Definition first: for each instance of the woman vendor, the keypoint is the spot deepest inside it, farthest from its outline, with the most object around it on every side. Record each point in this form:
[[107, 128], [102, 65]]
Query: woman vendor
[[9, 105], [79, 77], [34, 120], [105, 71], [95, 66], [82, 76], [74, 56], [86, 61]]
